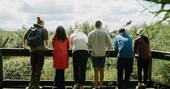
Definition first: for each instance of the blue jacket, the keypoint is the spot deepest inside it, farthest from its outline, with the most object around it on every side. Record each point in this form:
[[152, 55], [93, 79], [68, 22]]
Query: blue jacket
[[123, 45]]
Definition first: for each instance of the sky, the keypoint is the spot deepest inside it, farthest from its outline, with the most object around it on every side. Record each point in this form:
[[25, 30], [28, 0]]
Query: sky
[[113, 13]]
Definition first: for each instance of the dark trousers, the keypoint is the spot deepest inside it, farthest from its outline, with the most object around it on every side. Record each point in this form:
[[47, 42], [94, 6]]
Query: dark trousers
[[80, 58], [37, 62], [143, 64], [59, 81], [124, 64]]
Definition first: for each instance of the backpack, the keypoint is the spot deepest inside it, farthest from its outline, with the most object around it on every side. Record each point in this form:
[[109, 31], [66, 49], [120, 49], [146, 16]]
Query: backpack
[[34, 37]]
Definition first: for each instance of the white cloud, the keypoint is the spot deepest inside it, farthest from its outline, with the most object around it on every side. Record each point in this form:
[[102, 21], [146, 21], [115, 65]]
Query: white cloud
[[44, 8], [114, 13]]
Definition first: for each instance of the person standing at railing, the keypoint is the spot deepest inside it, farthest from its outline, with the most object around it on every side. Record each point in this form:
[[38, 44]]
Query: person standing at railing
[[60, 43], [143, 55], [99, 41], [124, 48], [35, 38], [79, 45]]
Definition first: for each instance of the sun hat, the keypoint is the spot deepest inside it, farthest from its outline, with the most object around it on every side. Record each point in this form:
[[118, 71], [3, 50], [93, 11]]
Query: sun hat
[[139, 31]]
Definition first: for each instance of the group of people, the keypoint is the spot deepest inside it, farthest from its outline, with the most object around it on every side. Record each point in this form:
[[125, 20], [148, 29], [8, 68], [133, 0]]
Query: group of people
[[98, 41]]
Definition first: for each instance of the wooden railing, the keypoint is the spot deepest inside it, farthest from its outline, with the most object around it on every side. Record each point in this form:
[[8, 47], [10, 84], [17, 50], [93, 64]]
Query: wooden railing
[[25, 52]]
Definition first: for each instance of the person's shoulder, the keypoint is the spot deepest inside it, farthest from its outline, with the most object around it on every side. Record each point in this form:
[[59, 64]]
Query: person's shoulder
[[67, 38], [103, 30], [143, 36], [72, 35], [137, 38], [45, 29], [116, 37], [83, 34], [130, 36], [91, 33]]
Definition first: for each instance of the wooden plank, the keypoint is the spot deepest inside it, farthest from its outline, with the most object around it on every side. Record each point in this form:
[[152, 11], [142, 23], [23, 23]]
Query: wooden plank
[[47, 84], [21, 84], [1, 71], [23, 52], [26, 52], [150, 71]]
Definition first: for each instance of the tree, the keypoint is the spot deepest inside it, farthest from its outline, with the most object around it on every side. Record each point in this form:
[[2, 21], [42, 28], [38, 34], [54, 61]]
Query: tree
[[162, 8]]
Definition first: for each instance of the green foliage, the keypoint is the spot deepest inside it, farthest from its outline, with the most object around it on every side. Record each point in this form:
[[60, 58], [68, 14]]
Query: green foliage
[[165, 72], [128, 23], [160, 1], [158, 33], [85, 27], [15, 68], [162, 9], [15, 38]]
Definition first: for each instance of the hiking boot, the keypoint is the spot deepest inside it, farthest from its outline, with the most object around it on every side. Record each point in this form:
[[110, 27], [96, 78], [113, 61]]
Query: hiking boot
[[37, 82], [74, 87], [30, 87], [31, 83], [38, 87]]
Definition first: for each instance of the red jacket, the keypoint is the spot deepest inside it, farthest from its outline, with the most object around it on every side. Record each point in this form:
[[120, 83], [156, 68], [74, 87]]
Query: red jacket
[[60, 53]]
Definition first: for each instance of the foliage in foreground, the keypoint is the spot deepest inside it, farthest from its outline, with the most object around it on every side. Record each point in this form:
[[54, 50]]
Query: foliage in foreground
[[162, 9]]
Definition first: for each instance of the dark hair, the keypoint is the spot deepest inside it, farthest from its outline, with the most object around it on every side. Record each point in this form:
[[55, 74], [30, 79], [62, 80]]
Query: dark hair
[[98, 23], [145, 39], [121, 30], [60, 33]]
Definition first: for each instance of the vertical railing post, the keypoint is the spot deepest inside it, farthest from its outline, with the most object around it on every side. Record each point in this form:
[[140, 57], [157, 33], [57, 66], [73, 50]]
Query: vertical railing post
[[150, 71], [1, 70]]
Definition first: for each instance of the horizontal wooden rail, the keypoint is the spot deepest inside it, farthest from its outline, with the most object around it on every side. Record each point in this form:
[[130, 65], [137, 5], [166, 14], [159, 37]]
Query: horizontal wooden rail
[[22, 84], [47, 84], [25, 52]]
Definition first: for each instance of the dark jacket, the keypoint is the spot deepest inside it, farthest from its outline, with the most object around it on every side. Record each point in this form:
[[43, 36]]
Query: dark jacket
[[142, 47]]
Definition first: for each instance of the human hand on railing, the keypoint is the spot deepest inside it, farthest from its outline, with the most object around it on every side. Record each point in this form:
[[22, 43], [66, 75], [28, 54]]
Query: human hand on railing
[[47, 48], [107, 54]]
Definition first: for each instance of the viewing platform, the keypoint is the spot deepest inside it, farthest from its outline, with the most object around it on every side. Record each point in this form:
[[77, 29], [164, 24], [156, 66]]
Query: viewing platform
[[47, 84]]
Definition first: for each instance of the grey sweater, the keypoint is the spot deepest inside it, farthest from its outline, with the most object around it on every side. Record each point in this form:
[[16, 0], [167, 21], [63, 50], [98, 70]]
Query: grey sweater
[[99, 41]]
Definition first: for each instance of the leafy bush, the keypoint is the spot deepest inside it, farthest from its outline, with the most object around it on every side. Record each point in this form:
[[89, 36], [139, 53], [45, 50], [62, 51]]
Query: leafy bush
[[16, 68]]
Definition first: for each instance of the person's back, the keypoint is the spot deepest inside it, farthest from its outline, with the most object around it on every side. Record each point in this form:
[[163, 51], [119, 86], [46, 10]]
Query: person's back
[[123, 45], [79, 45], [99, 41], [60, 44], [142, 47], [43, 33], [60, 52], [79, 41], [35, 39], [143, 56]]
